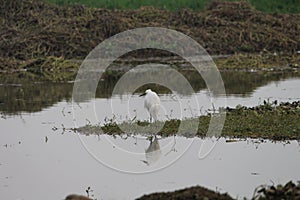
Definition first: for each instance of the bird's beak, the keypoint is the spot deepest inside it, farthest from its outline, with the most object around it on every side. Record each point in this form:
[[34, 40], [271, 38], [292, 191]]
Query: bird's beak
[[142, 94]]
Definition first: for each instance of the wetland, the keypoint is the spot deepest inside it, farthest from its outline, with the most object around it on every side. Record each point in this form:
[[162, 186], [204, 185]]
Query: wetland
[[52, 145]]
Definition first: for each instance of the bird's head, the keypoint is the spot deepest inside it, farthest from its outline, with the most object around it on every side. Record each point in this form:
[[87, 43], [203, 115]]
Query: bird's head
[[146, 92]]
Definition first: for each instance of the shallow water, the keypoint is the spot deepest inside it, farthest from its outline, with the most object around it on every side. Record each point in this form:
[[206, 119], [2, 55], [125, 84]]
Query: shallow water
[[22, 95], [39, 159], [128, 107]]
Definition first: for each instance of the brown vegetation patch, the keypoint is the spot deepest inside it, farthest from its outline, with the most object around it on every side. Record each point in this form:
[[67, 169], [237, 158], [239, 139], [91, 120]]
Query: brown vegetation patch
[[33, 28]]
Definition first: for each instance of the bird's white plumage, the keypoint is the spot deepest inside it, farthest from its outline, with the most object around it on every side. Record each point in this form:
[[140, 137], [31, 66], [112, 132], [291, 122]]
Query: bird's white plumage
[[152, 104]]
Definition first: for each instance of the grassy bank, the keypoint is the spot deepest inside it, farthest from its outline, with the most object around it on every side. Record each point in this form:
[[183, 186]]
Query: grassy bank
[[44, 39], [281, 6], [59, 69], [267, 121]]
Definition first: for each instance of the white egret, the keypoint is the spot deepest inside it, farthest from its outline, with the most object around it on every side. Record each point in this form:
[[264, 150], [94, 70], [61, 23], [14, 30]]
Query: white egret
[[152, 104]]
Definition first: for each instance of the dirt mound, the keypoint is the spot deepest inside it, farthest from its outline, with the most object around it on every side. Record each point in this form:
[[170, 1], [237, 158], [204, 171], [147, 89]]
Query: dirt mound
[[289, 191], [189, 193], [34, 28]]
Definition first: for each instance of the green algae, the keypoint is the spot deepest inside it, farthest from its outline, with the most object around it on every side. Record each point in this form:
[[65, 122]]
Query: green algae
[[267, 121]]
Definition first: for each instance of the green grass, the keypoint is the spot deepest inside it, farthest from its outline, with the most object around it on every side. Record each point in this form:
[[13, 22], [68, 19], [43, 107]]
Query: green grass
[[271, 6], [268, 121], [280, 6]]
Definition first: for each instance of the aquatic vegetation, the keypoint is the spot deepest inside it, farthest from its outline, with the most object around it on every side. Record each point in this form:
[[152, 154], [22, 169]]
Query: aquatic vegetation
[[267, 121]]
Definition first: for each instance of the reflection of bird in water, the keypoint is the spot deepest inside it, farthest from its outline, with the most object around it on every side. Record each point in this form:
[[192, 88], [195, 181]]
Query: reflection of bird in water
[[152, 104], [153, 152], [77, 197]]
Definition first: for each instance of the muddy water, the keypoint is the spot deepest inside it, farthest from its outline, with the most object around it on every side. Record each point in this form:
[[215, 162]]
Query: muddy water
[[39, 159]]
